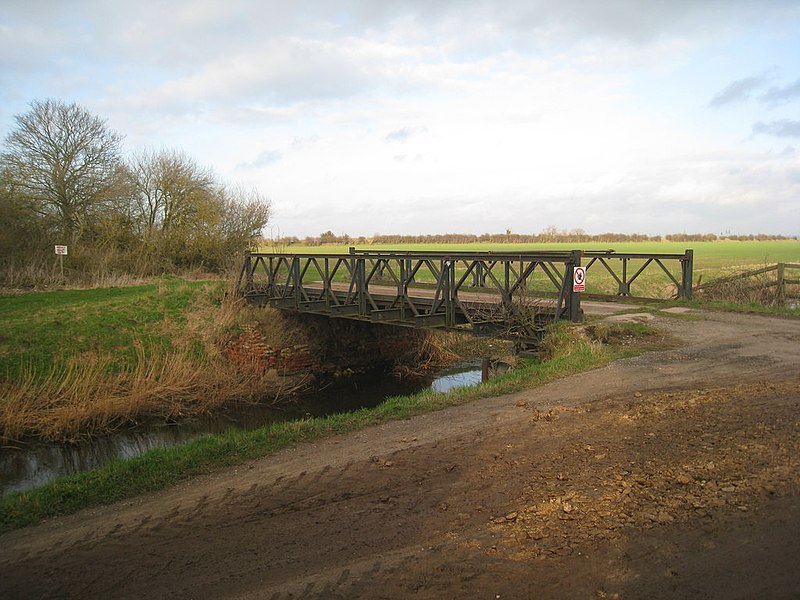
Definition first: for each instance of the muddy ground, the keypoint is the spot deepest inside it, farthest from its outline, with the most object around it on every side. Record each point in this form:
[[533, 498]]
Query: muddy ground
[[671, 475]]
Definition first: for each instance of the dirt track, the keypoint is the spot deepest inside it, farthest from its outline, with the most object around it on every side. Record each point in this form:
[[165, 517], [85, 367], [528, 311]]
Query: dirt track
[[672, 475]]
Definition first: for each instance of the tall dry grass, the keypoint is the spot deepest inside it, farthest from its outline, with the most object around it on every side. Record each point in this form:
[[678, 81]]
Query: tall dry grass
[[87, 398], [32, 274], [90, 394], [45, 275], [428, 351]]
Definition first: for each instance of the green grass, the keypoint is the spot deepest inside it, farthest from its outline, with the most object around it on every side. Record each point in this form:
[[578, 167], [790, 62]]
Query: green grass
[[750, 308], [41, 330], [164, 467]]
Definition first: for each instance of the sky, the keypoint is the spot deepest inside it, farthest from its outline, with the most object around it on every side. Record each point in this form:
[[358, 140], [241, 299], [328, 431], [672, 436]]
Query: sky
[[421, 117]]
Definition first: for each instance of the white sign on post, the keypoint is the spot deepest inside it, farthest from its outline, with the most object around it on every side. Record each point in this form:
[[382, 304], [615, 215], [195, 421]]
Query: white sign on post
[[61, 252], [579, 279]]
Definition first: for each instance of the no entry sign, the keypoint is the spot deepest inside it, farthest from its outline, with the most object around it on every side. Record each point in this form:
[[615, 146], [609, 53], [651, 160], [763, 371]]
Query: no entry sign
[[579, 279]]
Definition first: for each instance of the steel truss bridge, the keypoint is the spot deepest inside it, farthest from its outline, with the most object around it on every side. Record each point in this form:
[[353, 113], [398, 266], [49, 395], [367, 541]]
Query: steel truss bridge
[[511, 294]]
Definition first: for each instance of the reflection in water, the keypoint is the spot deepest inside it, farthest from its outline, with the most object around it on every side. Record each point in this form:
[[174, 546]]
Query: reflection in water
[[36, 465], [450, 381]]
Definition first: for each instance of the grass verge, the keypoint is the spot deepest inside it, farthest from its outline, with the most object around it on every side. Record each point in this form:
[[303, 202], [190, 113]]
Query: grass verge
[[736, 307], [570, 351]]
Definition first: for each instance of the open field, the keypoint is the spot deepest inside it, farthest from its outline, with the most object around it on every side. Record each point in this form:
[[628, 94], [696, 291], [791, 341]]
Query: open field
[[708, 256]]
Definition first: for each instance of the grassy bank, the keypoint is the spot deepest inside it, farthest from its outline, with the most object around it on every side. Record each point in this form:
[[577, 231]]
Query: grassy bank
[[80, 363], [747, 308], [75, 363], [40, 329], [569, 350]]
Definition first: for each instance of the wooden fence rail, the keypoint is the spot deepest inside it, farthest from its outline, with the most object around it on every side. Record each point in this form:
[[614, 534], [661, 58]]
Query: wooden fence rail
[[786, 276]]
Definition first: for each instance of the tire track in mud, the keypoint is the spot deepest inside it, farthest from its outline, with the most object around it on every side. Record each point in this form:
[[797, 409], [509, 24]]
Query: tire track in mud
[[366, 490]]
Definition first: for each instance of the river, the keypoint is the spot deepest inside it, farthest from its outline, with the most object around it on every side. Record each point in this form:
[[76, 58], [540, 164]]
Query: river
[[39, 463]]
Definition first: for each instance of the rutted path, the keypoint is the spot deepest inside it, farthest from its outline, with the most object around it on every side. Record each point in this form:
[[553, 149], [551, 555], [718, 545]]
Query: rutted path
[[674, 474]]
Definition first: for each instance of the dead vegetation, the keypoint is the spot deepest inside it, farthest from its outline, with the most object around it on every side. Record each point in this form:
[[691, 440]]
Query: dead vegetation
[[430, 351], [84, 399], [91, 394]]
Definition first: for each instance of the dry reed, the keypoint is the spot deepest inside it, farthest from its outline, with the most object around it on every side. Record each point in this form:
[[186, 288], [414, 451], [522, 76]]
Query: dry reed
[[90, 394], [86, 398], [429, 351]]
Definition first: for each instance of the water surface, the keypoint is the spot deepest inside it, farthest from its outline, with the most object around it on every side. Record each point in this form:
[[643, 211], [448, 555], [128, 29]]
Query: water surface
[[22, 469]]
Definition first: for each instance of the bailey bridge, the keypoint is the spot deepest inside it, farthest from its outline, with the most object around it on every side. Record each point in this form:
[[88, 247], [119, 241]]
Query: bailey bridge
[[510, 294]]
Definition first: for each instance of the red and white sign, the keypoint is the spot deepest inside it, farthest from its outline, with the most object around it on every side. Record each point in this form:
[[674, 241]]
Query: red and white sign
[[579, 279], [61, 250]]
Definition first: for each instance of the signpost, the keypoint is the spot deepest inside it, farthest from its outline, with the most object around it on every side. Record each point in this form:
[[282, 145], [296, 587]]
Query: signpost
[[61, 252], [579, 279]]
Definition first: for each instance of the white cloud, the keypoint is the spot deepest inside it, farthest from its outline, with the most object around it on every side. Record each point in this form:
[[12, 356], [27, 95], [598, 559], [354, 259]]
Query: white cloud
[[264, 159]]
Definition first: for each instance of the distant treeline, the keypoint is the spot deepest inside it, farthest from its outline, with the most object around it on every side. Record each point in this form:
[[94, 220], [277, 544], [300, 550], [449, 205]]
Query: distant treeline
[[549, 235]]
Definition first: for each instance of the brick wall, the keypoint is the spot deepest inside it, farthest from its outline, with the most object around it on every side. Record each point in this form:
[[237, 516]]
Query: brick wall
[[332, 346]]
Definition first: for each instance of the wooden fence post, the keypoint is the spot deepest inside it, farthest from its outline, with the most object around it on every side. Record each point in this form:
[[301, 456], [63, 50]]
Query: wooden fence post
[[781, 296], [687, 266]]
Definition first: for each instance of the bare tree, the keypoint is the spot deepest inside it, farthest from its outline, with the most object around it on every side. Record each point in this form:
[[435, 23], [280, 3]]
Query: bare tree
[[169, 188], [65, 160], [245, 214], [185, 216]]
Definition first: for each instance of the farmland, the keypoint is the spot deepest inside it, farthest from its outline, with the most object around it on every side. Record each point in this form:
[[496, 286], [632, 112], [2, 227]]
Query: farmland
[[710, 257]]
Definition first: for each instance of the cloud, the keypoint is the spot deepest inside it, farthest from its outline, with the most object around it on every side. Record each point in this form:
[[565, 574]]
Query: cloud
[[786, 128], [780, 95], [402, 134], [738, 90], [279, 72], [290, 76], [745, 88], [265, 159]]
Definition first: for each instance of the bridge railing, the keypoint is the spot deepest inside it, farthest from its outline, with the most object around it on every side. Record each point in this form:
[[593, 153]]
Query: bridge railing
[[657, 275], [673, 273], [427, 289], [515, 290]]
